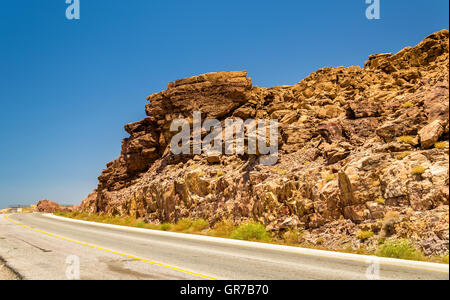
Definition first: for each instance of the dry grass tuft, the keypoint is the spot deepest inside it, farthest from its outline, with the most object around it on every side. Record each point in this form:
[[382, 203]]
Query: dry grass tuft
[[419, 170]]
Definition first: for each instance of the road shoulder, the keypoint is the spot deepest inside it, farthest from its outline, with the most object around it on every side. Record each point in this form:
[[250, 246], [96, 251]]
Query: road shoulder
[[6, 273]]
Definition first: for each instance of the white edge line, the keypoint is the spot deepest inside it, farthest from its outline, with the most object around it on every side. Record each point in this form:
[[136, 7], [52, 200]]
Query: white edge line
[[297, 250]]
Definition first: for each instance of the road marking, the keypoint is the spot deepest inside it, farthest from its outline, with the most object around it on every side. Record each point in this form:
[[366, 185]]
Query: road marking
[[111, 251]]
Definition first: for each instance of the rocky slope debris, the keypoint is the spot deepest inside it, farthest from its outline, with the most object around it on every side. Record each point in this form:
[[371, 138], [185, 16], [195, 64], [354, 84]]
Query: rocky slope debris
[[357, 146]]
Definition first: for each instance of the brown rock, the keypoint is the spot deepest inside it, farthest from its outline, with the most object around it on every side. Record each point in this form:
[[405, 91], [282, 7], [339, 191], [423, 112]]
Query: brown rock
[[356, 213], [431, 133], [213, 157], [46, 206], [345, 186]]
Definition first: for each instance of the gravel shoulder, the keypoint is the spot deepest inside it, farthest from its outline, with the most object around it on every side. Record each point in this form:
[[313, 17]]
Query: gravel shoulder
[[6, 273]]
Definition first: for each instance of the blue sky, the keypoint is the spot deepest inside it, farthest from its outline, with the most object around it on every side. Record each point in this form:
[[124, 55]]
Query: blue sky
[[67, 87]]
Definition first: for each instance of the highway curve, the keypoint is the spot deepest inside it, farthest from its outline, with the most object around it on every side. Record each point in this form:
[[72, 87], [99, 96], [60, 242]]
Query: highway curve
[[40, 246]]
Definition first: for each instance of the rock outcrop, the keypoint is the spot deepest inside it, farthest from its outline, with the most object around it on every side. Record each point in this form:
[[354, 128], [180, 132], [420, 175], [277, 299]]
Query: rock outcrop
[[46, 206], [355, 143]]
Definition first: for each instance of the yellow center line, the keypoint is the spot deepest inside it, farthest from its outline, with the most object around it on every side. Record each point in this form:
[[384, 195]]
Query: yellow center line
[[111, 251]]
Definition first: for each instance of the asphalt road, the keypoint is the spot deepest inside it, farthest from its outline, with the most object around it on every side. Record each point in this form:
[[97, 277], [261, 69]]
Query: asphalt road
[[42, 247]]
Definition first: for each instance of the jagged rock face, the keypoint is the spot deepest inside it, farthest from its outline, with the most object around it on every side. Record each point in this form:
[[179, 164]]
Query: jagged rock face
[[215, 95], [350, 142]]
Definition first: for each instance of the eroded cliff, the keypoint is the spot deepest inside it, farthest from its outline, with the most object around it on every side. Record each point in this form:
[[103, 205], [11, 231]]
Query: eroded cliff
[[356, 144]]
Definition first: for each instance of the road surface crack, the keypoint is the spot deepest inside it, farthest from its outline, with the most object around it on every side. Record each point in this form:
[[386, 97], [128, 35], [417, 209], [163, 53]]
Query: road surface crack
[[37, 247]]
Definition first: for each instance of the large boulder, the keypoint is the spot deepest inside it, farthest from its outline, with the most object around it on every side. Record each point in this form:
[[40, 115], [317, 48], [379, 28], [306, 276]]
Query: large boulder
[[46, 206], [431, 133]]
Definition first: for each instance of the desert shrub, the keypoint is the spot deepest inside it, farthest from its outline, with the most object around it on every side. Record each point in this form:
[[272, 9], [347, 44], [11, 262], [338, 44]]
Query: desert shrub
[[329, 177], [362, 250], [380, 201], [445, 259], [364, 235], [251, 231], [183, 225], [389, 221], [122, 221], [440, 145], [292, 236], [129, 221], [408, 104], [403, 155], [401, 248], [61, 214], [223, 228], [282, 172], [347, 247], [165, 227], [79, 215], [141, 224], [114, 220], [419, 170], [407, 139], [199, 225], [75, 214], [99, 218], [190, 225], [320, 241], [152, 226]]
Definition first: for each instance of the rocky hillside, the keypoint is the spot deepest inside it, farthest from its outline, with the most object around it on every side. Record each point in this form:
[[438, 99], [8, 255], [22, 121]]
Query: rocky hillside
[[360, 149]]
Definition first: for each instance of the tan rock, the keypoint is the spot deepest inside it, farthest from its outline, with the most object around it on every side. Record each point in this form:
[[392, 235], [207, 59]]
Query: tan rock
[[431, 133], [213, 157], [345, 186], [329, 112]]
